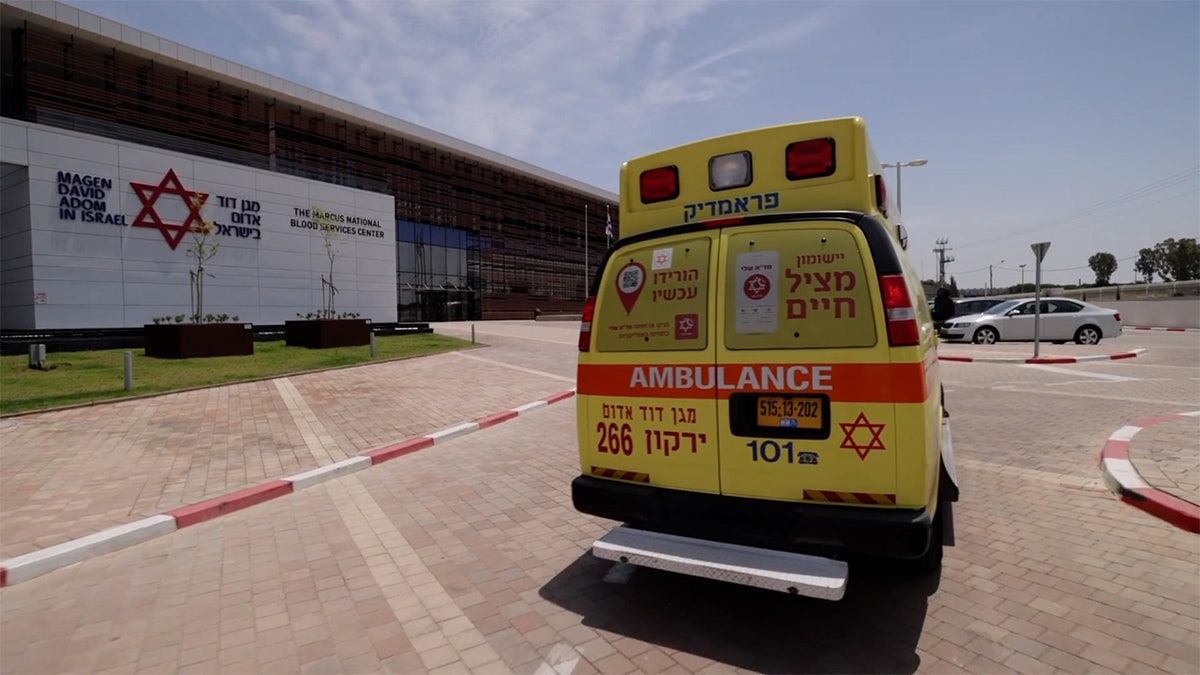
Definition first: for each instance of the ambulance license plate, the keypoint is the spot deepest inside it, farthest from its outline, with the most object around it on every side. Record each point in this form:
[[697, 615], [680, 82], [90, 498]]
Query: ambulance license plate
[[791, 412]]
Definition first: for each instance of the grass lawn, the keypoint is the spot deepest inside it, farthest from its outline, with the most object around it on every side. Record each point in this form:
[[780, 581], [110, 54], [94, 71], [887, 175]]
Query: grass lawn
[[87, 377]]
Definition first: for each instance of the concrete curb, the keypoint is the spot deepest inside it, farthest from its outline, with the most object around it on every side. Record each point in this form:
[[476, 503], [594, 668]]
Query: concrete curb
[[308, 479], [25, 567], [1045, 359], [1126, 483]]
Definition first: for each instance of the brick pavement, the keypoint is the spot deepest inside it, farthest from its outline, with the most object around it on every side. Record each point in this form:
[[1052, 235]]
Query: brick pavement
[[1167, 455], [468, 557], [1153, 463], [71, 473]]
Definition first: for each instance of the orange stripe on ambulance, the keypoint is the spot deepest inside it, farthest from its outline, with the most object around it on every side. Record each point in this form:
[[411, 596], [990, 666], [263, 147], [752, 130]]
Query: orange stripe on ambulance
[[770, 378]]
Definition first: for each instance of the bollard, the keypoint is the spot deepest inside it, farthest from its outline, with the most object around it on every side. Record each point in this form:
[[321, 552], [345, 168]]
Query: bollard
[[128, 371], [372, 344], [37, 357], [472, 333]]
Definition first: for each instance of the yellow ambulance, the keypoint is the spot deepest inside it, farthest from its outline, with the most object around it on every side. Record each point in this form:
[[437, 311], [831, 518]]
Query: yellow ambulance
[[758, 385]]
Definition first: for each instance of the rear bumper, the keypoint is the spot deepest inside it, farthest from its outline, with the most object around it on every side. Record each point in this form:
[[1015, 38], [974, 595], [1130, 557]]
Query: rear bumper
[[786, 526]]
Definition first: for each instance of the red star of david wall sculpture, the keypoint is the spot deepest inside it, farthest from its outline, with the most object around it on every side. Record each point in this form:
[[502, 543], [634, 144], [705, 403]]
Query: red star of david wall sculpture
[[876, 443], [148, 216]]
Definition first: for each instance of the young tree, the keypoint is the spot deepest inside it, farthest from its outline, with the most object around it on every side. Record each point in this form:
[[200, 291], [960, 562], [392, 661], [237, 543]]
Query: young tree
[[1103, 264], [202, 251], [326, 222]]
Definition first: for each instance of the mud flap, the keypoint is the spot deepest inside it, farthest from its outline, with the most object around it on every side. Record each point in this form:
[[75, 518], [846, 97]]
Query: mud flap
[[947, 486], [948, 480], [947, 516]]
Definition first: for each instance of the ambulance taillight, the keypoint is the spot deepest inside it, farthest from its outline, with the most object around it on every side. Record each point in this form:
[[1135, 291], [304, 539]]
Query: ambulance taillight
[[585, 325], [901, 315], [881, 194], [811, 159], [659, 185]]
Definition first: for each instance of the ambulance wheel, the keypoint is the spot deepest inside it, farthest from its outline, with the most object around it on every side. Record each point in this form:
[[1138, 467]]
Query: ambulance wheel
[[986, 336]]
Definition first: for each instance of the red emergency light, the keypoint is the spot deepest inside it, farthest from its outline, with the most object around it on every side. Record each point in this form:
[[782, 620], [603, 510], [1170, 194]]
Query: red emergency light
[[659, 185], [811, 159]]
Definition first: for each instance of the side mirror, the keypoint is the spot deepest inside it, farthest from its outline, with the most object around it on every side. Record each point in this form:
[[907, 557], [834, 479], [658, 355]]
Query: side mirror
[[902, 235]]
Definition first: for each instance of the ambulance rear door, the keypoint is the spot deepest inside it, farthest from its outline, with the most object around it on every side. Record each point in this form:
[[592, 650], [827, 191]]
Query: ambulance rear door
[[647, 391], [806, 403]]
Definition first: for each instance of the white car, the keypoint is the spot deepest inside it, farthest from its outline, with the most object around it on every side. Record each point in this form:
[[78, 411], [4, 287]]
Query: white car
[[1062, 319]]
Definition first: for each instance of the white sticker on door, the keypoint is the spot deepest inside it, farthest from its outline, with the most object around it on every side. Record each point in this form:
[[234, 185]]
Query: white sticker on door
[[756, 304]]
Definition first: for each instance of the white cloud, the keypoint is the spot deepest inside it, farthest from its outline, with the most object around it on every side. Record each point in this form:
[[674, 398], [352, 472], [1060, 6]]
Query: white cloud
[[538, 80]]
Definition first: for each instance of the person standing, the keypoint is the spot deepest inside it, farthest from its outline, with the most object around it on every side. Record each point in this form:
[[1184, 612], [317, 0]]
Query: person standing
[[943, 307]]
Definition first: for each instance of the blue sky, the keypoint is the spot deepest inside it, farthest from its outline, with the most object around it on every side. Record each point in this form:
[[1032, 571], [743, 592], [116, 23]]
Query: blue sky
[[1076, 123]]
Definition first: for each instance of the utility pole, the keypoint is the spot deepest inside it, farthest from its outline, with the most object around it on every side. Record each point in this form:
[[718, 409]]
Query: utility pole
[[943, 247]]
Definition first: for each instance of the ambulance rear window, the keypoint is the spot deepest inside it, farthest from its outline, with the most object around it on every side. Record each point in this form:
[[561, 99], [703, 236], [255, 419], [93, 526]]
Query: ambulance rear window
[[654, 297], [801, 287]]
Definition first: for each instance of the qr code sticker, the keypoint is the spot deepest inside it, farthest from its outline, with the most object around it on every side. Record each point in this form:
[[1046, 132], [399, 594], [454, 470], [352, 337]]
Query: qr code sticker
[[631, 278]]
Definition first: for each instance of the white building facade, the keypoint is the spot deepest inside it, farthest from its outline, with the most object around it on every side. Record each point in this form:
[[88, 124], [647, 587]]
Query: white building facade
[[97, 233]]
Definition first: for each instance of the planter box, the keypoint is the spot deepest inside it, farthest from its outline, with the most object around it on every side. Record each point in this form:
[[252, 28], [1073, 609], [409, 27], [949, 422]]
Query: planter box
[[323, 333], [198, 340]]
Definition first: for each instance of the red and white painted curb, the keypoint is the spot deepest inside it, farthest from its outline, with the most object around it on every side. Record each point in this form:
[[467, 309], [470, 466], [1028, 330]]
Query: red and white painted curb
[[1125, 482], [1045, 359], [1173, 330], [37, 563]]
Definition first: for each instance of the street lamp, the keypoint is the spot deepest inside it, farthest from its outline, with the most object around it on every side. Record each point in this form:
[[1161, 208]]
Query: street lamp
[[990, 285], [1022, 277], [897, 165]]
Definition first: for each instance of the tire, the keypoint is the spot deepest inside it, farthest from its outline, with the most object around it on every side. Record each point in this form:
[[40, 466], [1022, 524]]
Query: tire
[[986, 336], [1088, 335]]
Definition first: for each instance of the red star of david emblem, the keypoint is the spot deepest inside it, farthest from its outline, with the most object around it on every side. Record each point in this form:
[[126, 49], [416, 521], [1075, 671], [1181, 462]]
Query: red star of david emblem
[[148, 216], [757, 286], [876, 443]]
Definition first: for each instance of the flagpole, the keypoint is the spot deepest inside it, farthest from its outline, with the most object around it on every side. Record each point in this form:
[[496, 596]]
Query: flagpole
[[585, 251]]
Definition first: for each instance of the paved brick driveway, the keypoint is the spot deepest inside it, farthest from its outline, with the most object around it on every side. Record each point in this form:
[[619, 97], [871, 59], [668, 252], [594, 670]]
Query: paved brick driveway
[[468, 557]]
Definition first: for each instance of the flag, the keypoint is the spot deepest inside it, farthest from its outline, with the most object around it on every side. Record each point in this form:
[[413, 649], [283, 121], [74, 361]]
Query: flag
[[610, 230]]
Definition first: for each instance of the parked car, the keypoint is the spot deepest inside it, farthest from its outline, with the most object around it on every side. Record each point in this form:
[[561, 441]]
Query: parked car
[[965, 306], [1062, 319]]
